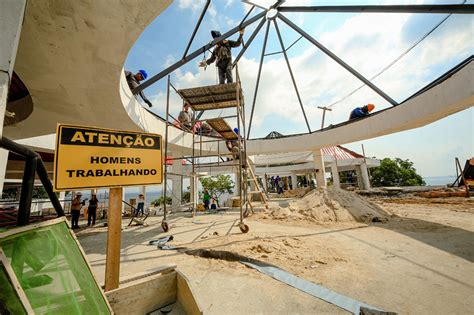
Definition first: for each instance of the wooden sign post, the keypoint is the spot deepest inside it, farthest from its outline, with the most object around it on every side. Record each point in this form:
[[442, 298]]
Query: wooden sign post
[[90, 157], [114, 234]]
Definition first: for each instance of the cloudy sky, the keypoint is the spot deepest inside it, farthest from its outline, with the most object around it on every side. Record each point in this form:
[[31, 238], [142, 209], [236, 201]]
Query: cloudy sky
[[367, 42]]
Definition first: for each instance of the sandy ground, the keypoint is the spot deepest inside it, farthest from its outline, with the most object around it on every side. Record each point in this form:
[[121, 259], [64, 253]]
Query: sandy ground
[[419, 261]]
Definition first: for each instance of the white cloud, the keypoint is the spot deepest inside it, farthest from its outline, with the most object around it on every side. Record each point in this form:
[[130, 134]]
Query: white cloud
[[367, 43]]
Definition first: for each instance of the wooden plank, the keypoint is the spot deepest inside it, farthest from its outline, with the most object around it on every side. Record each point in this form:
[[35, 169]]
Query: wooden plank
[[186, 297], [219, 124], [114, 231], [217, 105], [137, 276], [144, 295], [212, 96], [15, 283]]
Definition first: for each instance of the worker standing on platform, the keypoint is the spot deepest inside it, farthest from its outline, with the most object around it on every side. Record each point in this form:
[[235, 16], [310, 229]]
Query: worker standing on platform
[[222, 53], [360, 112], [133, 81]]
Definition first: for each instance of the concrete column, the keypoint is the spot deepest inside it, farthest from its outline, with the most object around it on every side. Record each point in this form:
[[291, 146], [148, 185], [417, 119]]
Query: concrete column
[[335, 175], [294, 181], [237, 186], [62, 196], [193, 190], [365, 176], [11, 19], [142, 190], [265, 183], [177, 183], [359, 177], [3, 168], [319, 167]]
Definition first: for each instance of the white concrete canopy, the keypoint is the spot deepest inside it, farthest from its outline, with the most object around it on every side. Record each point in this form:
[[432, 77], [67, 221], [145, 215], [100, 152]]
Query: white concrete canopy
[[71, 57]]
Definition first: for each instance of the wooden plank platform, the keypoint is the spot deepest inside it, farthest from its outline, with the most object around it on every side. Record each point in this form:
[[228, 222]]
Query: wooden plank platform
[[223, 128], [212, 96]]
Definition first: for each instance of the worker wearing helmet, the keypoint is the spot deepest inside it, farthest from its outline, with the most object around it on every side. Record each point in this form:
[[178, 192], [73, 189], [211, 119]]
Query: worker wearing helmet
[[133, 81], [360, 112], [76, 205], [223, 56]]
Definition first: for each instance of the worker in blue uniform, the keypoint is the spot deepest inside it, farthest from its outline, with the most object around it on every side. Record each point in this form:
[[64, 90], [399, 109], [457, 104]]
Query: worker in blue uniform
[[360, 112]]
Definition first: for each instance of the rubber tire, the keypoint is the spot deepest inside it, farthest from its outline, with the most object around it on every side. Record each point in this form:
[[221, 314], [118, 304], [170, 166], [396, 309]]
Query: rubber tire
[[244, 228], [164, 226]]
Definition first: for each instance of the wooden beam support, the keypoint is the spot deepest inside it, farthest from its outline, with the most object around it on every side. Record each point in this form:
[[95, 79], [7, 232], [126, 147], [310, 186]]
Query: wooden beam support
[[114, 233]]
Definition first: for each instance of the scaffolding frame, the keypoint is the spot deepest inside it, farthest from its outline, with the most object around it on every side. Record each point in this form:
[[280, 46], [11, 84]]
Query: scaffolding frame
[[203, 99]]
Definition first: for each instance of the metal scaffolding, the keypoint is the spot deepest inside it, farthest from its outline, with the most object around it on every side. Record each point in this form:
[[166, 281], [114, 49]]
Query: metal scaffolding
[[211, 98], [274, 13]]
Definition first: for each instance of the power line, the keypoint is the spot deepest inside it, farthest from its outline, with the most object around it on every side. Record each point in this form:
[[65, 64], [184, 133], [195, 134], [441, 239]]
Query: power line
[[396, 60]]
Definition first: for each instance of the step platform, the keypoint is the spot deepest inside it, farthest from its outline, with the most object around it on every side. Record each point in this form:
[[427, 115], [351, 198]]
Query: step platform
[[223, 128], [212, 97]]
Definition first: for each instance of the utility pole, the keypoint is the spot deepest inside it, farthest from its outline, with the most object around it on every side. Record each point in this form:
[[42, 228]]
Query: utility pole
[[324, 108]]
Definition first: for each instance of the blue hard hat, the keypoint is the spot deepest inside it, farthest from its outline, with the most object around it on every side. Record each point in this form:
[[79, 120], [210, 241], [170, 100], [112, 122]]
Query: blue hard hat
[[236, 130], [144, 74]]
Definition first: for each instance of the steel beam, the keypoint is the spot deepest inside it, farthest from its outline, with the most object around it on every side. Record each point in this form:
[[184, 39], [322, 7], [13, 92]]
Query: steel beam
[[43, 176], [27, 185], [197, 27], [291, 74], [247, 44], [423, 8], [247, 15], [195, 54], [254, 4], [258, 77], [337, 59]]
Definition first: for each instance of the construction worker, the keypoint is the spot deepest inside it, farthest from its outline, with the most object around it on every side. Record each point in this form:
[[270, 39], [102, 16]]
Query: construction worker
[[361, 111], [76, 206], [92, 209], [185, 117], [223, 55], [133, 81]]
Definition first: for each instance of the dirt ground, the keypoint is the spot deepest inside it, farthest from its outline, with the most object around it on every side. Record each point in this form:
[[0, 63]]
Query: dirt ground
[[418, 261]]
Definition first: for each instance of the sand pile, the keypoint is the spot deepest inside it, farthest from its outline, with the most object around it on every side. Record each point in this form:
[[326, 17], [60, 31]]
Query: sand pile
[[329, 205], [297, 192]]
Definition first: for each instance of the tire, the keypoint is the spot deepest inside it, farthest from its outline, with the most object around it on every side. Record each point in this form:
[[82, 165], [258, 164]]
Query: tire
[[244, 228]]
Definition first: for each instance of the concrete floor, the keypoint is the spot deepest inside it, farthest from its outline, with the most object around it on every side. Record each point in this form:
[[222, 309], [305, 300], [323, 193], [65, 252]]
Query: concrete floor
[[406, 269]]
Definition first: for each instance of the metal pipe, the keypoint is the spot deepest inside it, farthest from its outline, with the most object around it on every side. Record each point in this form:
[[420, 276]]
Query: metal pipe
[[247, 15], [194, 54], [27, 185], [258, 77], [337, 59], [431, 8], [254, 4], [43, 175], [247, 44], [197, 27], [291, 74], [166, 146], [17, 148]]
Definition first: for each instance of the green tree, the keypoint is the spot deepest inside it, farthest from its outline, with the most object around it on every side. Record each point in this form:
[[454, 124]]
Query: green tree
[[186, 196], [396, 172], [159, 201], [217, 185]]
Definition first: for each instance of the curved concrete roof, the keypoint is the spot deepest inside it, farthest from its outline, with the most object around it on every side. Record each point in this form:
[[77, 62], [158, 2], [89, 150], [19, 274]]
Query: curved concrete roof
[[71, 55]]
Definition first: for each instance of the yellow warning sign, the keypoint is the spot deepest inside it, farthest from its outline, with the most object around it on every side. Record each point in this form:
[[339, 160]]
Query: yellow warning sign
[[89, 157]]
